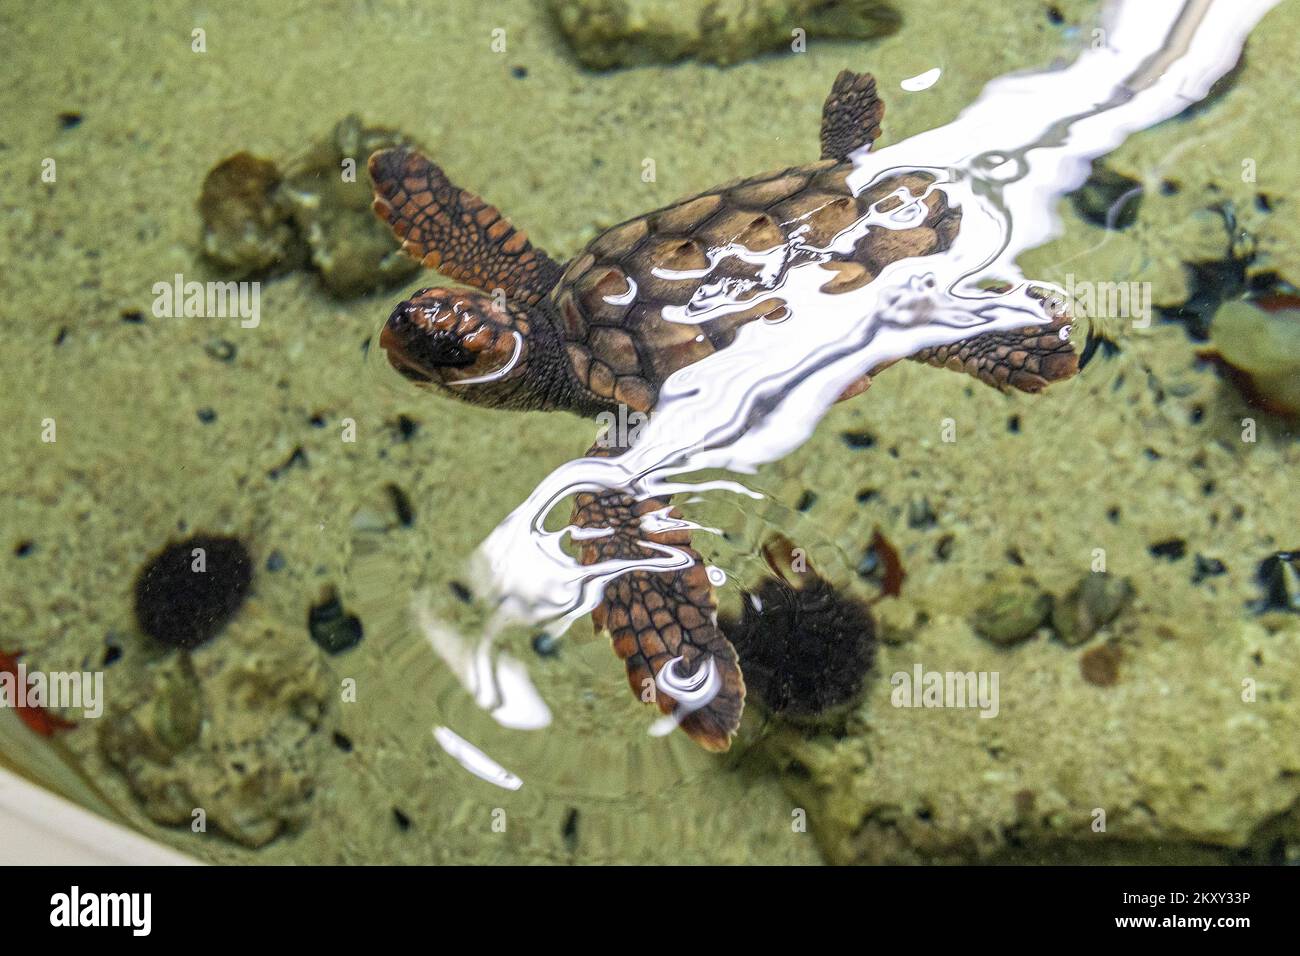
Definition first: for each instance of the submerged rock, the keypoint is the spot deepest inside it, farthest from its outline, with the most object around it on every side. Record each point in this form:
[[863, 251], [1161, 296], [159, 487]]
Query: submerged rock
[[259, 220], [247, 228], [1100, 665], [164, 717], [328, 191], [1279, 575], [189, 591], [1260, 345], [607, 34], [229, 741], [332, 628]]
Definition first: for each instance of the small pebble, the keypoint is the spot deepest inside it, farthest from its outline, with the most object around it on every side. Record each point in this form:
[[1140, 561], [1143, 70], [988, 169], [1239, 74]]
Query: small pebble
[[406, 427], [401, 505], [545, 645], [1100, 666], [1011, 613], [1174, 549], [1279, 574], [331, 627], [1207, 568], [920, 514], [1092, 604]]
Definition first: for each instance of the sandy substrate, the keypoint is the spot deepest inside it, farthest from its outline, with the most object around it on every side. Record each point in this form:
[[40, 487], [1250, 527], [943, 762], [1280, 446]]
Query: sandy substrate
[[1181, 765]]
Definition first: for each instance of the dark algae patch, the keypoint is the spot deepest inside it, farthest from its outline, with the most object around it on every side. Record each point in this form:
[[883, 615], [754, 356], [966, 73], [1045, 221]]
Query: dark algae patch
[[804, 645], [187, 593]]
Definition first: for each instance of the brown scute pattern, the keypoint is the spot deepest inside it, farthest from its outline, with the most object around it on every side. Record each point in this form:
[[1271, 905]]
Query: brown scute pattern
[[653, 616], [616, 346], [759, 213], [760, 195], [848, 276], [824, 215], [851, 115], [675, 254], [890, 245], [454, 231], [682, 218]]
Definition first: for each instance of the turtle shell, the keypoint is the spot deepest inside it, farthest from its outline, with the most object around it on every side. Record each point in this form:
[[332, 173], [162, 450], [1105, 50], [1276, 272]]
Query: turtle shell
[[624, 305]]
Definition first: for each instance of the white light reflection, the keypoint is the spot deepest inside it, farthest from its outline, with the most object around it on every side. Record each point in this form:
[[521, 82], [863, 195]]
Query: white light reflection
[[474, 760], [922, 81]]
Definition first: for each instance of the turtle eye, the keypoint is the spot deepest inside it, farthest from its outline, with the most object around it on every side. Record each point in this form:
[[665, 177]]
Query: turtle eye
[[417, 343]]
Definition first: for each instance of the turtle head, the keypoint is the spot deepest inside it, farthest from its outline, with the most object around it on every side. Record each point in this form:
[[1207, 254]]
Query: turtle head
[[478, 347]]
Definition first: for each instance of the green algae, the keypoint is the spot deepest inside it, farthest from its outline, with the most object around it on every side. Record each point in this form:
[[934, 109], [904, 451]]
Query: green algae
[[605, 34]]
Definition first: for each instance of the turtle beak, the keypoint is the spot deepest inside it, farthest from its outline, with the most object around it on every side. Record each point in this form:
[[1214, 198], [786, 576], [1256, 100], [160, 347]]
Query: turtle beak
[[416, 348], [453, 337]]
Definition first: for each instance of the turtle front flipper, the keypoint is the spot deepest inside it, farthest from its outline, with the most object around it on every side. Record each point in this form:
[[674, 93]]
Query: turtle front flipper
[[656, 618], [1027, 359], [851, 115], [454, 231]]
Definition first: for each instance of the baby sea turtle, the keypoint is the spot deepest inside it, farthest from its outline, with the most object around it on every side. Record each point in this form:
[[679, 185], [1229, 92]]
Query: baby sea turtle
[[591, 336]]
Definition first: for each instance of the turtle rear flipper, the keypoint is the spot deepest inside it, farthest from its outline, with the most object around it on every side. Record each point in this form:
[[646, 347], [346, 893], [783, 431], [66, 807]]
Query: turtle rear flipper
[[454, 231], [851, 115], [658, 617]]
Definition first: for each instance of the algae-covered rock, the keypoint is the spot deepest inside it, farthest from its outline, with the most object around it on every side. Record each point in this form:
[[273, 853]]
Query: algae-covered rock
[[1090, 758], [897, 621], [606, 34], [1264, 347], [247, 228], [259, 220], [328, 191], [160, 713], [235, 735], [1009, 612], [1092, 604]]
